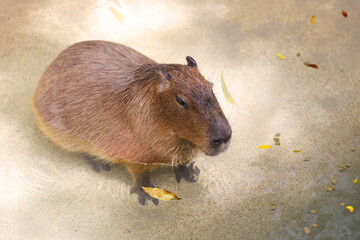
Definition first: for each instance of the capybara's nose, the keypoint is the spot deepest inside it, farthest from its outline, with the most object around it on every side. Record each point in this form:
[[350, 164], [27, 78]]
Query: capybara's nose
[[225, 139]]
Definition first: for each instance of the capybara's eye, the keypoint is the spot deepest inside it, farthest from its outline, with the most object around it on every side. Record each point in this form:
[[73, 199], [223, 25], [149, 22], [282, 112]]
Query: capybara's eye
[[181, 102]]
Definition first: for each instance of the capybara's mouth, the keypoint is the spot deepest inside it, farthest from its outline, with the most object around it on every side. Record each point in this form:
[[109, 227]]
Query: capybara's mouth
[[214, 150]]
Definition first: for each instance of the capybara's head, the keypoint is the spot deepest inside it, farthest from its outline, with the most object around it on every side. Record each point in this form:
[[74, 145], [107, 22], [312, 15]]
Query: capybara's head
[[190, 108]]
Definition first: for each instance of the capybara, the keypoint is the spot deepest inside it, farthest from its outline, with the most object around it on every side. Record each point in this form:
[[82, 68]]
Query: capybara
[[111, 102]]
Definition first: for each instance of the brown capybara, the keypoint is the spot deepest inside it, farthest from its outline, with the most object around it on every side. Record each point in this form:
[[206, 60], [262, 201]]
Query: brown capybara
[[112, 102]]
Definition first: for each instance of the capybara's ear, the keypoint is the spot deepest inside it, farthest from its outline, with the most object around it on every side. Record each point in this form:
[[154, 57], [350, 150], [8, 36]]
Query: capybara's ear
[[164, 80], [191, 62]]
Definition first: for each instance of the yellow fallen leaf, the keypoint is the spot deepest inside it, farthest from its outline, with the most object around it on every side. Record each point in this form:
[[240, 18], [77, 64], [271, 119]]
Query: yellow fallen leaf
[[226, 91], [264, 147], [297, 151], [160, 193], [356, 181], [351, 209], [281, 56], [118, 16], [312, 19]]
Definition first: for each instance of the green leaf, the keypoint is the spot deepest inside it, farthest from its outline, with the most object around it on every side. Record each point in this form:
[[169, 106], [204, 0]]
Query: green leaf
[[226, 91]]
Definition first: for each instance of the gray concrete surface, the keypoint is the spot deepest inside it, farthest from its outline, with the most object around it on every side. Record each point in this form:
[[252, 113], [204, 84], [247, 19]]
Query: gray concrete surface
[[48, 193]]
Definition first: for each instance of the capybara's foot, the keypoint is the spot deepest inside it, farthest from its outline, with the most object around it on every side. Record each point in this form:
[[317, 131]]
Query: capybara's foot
[[106, 166], [142, 195], [187, 171], [95, 164]]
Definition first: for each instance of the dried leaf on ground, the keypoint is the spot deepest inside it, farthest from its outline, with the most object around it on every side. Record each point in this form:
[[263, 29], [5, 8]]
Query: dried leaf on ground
[[281, 56], [330, 188], [118, 16], [297, 151], [351, 209], [307, 230], [264, 147], [344, 13], [160, 193], [356, 181], [311, 65], [226, 91], [312, 19]]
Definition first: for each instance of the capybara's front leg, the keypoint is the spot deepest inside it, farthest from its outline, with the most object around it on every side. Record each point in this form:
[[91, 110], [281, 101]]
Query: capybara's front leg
[[187, 171], [140, 174]]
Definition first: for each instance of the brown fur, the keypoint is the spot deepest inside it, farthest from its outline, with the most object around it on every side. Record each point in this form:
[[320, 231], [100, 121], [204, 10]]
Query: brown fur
[[112, 102]]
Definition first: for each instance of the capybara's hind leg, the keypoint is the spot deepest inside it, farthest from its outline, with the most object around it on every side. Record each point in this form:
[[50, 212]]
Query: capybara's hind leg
[[187, 171], [140, 174], [95, 163]]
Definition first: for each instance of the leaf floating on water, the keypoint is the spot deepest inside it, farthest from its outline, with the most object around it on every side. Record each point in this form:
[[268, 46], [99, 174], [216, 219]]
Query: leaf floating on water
[[311, 65], [118, 16], [297, 151], [312, 19], [226, 91], [281, 56], [160, 193], [344, 13], [356, 181], [351, 209], [264, 147]]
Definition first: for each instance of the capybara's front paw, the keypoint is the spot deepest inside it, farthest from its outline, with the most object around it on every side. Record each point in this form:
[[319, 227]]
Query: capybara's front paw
[[187, 171], [142, 195]]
